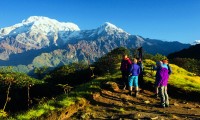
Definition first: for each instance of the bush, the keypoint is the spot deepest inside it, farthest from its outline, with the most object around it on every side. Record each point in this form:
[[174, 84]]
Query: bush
[[72, 74], [108, 62], [192, 65]]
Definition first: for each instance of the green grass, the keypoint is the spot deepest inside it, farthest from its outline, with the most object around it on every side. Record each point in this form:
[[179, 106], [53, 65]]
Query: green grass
[[3, 114], [180, 78], [120, 110], [81, 91], [62, 102]]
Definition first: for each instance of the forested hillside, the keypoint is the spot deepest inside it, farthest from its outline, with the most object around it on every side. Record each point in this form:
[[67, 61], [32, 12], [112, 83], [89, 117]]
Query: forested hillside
[[188, 59], [79, 91]]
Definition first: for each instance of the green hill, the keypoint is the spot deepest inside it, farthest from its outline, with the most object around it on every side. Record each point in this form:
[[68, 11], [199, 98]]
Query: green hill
[[191, 52], [180, 78], [101, 98]]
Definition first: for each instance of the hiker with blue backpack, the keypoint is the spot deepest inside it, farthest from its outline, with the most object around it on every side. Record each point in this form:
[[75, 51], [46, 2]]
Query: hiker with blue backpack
[[161, 82], [166, 65]]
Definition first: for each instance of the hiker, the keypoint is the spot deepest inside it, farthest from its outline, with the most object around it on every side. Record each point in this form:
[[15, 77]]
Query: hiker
[[125, 66], [156, 67], [162, 77], [166, 65], [140, 49], [133, 78], [140, 77]]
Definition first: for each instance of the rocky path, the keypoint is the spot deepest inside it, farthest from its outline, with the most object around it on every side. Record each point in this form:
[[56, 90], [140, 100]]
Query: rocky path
[[114, 103]]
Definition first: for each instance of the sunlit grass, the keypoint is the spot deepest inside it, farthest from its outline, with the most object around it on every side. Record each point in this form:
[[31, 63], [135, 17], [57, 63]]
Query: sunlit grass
[[3, 114], [180, 78], [31, 114], [67, 101], [62, 102], [122, 110]]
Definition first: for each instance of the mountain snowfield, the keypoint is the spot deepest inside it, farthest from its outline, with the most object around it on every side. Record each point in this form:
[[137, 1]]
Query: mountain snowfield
[[38, 31], [196, 42], [39, 25], [40, 41]]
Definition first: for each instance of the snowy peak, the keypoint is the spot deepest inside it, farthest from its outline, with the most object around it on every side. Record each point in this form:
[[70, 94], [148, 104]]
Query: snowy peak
[[39, 32], [39, 24], [105, 29], [51, 23], [37, 18], [110, 29], [108, 26], [196, 42]]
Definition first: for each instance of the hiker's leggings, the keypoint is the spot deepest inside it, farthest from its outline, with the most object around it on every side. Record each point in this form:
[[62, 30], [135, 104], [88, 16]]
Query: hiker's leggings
[[163, 95]]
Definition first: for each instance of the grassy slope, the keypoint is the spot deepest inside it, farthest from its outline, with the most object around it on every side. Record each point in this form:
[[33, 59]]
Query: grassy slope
[[180, 78]]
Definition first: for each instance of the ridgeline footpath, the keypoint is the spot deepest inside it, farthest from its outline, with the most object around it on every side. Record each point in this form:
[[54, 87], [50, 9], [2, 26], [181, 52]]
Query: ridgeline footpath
[[103, 98], [114, 103]]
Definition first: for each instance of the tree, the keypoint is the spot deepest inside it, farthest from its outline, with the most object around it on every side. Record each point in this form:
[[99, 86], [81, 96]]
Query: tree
[[192, 65], [23, 80], [40, 71], [7, 79], [66, 88], [19, 80], [108, 62], [159, 57]]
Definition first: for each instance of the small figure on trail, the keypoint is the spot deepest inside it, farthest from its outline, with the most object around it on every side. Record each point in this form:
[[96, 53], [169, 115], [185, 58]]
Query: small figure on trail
[[157, 68], [140, 56], [125, 66], [133, 78], [162, 77], [140, 77]]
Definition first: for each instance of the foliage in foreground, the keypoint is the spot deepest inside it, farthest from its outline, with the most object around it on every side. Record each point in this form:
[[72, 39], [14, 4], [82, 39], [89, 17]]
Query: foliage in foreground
[[45, 108], [192, 65], [180, 79], [85, 90]]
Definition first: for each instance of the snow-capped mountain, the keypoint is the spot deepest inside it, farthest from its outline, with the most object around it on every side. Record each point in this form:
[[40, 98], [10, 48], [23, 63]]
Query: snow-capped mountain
[[39, 31], [110, 29], [105, 29], [41, 41], [196, 42], [34, 33]]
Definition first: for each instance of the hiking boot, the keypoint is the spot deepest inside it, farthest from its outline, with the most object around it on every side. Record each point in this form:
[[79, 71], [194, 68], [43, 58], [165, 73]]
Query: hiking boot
[[162, 106], [156, 96], [124, 88], [136, 94], [142, 91], [166, 105], [130, 93]]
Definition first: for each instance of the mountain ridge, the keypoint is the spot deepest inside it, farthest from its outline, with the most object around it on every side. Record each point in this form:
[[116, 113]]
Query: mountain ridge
[[70, 44], [191, 52]]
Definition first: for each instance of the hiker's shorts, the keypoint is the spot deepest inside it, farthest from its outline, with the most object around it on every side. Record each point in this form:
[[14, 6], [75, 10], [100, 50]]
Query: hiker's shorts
[[133, 81]]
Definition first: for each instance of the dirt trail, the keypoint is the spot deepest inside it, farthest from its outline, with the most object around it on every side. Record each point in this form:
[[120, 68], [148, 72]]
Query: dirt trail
[[114, 103]]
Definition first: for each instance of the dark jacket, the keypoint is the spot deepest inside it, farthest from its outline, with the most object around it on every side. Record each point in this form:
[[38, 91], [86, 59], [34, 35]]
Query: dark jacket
[[125, 65]]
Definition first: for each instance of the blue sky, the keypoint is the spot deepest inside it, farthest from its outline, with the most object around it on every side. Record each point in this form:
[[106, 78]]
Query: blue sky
[[168, 20]]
